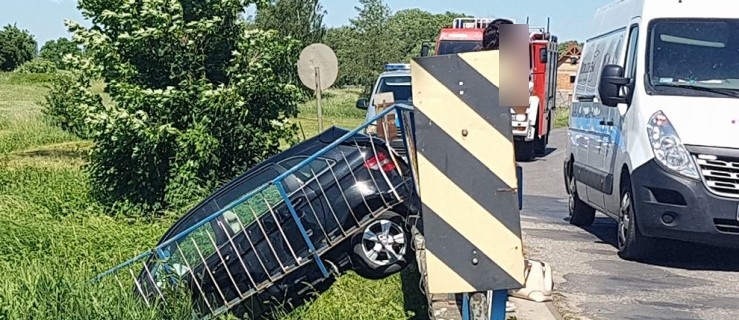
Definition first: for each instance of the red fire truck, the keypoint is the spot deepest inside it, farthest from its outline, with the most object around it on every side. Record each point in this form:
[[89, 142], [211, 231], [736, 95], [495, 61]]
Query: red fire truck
[[531, 123]]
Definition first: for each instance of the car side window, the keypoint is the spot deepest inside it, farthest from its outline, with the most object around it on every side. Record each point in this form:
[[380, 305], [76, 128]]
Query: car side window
[[257, 205], [249, 184], [187, 250], [194, 247], [261, 203]]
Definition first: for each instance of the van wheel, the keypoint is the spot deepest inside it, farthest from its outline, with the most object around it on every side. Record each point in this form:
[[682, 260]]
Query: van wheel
[[632, 245], [581, 214]]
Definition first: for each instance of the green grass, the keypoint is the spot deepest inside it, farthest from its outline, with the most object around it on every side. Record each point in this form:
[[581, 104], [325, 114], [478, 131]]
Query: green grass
[[562, 117], [338, 108], [55, 237]]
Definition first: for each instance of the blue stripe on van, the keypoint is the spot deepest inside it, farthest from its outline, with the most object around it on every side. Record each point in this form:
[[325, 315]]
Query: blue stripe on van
[[592, 126]]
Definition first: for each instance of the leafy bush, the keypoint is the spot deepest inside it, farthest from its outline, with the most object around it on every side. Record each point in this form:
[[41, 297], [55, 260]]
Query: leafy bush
[[69, 102], [197, 98], [38, 65]]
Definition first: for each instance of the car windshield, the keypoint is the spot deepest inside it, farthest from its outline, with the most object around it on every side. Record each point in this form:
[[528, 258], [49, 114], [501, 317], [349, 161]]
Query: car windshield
[[400, 86], [690, 54], [457, 46]]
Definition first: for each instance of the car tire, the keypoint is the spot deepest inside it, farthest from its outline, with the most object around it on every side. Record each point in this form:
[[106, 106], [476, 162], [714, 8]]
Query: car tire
[[581, 214], [373, 264], [631, 244]]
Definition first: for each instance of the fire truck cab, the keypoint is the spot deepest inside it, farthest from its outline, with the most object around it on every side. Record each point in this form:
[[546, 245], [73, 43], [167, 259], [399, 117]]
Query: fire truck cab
[[465, 35], [531, 123]]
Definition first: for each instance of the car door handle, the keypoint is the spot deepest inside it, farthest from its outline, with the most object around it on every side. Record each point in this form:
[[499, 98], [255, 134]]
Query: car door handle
[[606, 123]]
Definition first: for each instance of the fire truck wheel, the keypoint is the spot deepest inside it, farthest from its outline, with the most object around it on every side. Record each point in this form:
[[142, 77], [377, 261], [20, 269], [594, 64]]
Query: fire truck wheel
[[540, 145], [525, 151]]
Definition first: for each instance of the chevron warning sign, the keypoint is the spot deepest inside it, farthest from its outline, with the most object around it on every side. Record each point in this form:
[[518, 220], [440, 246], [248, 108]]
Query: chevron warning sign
[[467, 174]]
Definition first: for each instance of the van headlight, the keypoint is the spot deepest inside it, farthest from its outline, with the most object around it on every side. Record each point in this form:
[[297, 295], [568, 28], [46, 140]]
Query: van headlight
[[667, 147]]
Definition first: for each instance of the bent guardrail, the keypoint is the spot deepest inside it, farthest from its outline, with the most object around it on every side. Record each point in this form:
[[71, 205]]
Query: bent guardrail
[[293, 221]]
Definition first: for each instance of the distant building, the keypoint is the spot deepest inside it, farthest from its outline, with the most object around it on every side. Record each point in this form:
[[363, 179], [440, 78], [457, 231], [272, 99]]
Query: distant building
[[566, 72]]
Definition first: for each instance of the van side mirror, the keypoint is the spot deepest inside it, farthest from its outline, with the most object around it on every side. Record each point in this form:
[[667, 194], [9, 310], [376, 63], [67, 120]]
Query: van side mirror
[[425, 50], [362, 104], [543, 56], [611, 81]]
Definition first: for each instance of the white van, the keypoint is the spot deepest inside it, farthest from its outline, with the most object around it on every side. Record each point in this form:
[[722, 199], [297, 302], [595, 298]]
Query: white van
[[653, 139]]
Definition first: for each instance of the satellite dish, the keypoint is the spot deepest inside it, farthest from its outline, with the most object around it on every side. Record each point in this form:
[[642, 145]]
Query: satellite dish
[[318, 67]]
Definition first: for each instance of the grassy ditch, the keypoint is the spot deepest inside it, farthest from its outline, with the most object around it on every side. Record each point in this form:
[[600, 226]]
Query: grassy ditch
[[56, 237]]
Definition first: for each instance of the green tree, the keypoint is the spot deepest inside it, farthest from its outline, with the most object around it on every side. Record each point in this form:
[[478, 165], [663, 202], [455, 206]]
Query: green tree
[[16, 47], [376, 36], [197, 97], [375, 45], [345, 42], [298, 19], [55, 50], [414, 27]]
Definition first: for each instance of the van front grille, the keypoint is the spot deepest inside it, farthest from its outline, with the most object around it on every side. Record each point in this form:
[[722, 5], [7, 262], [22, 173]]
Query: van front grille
[[720, 174]]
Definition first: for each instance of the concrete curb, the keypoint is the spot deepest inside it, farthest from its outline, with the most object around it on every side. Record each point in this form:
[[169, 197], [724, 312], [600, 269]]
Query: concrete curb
[[553, 309], [530, 310]]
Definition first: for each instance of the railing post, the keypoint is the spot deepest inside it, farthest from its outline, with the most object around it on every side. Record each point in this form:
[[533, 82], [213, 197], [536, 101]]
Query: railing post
[[500, 297], [519, 176], [303, 233]]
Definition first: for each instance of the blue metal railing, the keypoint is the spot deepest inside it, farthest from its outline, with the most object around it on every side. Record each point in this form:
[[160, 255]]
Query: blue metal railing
[[161, 254]]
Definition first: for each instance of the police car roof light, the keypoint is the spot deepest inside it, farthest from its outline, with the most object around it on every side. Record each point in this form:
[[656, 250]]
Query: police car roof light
[[397, 66]]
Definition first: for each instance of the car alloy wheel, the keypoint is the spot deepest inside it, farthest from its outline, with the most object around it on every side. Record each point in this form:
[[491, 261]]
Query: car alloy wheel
[[384, 242], [624, 221]]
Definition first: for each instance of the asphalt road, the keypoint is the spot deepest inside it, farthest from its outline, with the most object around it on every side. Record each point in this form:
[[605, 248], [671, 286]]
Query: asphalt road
[[592, 282]]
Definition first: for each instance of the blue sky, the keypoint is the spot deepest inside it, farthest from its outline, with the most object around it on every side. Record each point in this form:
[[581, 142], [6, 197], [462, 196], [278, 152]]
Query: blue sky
[[44, 18]]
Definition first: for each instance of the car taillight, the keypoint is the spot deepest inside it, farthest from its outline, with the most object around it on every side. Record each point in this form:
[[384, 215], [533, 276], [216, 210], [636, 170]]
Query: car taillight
[[381, 160]]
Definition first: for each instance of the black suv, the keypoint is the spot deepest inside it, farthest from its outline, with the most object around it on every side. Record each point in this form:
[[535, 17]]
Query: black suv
[[353, 202]]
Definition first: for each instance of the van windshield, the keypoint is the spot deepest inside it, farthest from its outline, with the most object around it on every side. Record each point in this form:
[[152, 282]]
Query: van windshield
[[693, 56], [400, 86]]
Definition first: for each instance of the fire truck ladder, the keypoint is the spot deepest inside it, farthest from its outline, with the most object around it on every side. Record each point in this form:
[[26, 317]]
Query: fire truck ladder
[[471, 23]]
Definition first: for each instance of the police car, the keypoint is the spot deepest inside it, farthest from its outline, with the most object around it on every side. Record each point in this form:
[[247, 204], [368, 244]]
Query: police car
[[396, 78]]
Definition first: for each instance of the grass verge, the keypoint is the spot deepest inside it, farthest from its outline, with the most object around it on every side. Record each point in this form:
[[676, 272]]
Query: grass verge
[[55, 237], [562, 117]]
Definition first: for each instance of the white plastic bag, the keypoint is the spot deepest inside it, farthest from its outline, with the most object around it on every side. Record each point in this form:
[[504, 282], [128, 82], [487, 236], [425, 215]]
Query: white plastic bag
[[538, 284]]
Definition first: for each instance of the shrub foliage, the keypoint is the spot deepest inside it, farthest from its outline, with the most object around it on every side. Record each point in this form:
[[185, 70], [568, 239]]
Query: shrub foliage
[[197, 97], [37, 65]]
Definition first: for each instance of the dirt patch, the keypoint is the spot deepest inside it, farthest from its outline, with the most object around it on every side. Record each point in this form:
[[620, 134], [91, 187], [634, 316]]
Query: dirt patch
[[61, 155]]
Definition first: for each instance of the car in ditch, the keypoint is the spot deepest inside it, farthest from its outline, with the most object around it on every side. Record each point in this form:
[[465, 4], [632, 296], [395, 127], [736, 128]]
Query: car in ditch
[[350, 203]]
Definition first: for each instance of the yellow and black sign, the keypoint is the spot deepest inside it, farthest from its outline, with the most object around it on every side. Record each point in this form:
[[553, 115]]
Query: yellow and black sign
[[466, 174]]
